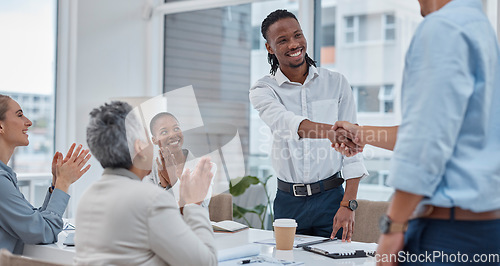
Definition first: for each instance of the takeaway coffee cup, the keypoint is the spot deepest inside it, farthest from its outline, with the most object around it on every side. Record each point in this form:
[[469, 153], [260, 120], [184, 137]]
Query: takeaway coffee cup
[[284, 231]]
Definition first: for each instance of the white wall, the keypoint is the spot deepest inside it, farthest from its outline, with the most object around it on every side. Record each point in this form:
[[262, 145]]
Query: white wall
[[105, 53]]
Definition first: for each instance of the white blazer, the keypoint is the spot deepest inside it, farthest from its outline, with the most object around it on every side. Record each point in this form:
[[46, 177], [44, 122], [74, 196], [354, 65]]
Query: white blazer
[[122, 221]]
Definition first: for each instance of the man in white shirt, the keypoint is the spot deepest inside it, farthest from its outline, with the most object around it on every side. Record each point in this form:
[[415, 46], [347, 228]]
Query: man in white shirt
[[300, 103]]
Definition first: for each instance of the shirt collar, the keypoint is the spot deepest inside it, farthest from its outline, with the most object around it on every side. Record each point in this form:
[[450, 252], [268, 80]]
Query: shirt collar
[[281, 78], [121, 172], [10, 172], [470, 3]]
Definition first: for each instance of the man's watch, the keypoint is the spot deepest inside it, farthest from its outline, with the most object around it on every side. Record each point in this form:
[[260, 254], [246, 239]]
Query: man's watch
[[387, 226], [350, 204]]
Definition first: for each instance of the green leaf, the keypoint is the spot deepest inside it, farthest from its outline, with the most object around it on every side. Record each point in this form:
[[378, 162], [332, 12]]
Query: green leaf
[[241, 186], [259, 209], [239, 212]]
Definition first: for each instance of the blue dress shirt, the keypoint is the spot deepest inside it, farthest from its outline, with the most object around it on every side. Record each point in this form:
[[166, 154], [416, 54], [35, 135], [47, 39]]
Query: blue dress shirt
[[448, 146], [20, 222]]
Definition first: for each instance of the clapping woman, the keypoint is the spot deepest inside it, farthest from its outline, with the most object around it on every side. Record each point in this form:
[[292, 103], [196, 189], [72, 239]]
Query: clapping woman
[[20, 222], [121, 220]]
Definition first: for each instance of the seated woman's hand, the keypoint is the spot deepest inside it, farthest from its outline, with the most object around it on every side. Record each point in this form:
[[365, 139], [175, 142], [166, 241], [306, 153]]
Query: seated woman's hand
[[70, 170], [194, 185], [167, 168]]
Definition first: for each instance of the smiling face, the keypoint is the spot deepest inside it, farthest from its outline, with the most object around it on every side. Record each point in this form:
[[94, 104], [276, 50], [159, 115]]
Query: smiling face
[[286, 40], [166, 131], [14, 126]]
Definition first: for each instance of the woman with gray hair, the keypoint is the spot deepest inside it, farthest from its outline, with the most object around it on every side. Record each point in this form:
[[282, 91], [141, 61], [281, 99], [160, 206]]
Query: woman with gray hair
[[120, 220]]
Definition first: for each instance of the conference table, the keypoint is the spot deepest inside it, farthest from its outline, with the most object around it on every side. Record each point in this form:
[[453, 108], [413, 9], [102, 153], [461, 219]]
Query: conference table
[[62, 254]]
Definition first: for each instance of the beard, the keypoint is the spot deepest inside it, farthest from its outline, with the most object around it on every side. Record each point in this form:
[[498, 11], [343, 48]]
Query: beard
[[299, 64]]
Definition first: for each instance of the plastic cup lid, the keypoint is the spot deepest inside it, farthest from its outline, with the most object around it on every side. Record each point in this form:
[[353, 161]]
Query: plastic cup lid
[[285, 223]]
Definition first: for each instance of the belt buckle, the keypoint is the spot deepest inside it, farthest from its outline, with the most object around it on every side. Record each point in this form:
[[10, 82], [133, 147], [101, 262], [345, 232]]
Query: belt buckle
[[307, 186]]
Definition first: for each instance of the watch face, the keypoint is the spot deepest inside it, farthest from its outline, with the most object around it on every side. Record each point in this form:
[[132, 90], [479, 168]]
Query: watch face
[[384, 224], [353, 205]]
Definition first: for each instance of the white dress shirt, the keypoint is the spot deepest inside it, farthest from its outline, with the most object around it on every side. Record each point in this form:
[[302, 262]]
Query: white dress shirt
[[122, 221], [325, 97]]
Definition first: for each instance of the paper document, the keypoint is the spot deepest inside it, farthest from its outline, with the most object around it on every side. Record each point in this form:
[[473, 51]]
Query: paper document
[[238, 252], [260, 261], [299, 241]]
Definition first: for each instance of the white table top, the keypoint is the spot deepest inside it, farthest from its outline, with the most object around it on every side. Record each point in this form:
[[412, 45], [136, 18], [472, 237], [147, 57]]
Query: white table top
[[59, 253]]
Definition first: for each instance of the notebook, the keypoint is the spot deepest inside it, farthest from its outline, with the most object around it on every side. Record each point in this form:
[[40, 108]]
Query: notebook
[[228, 226], [238, 252], [339, 250]]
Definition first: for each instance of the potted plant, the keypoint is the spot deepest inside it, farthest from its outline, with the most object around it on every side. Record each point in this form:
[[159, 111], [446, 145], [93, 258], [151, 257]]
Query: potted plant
[[239, 187]]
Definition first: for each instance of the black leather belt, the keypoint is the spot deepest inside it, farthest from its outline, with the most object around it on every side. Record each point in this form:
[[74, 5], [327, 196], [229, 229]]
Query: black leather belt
[[302, 190]]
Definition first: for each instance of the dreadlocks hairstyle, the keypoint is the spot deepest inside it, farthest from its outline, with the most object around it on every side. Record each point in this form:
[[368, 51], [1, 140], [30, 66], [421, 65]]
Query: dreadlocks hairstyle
[[270, 20]]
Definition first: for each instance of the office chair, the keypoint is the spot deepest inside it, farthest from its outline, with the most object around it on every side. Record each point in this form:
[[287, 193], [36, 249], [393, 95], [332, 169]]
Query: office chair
[[221, 207], [366, 220]]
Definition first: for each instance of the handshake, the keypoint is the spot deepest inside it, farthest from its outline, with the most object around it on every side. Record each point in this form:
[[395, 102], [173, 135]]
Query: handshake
[[347, 138]]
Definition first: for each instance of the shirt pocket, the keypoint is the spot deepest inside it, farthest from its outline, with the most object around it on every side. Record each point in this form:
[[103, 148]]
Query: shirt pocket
[[325, 111]]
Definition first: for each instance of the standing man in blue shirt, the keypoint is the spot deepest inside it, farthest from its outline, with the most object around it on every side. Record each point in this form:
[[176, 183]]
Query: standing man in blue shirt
[[446, 161], [300, 103]]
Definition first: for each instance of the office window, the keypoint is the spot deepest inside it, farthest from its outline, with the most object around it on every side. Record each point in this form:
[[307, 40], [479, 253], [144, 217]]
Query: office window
[[28, 71], [328, 32], [221, 53], [372, 41], [258, 42], [362, 28], [367, 98], [351, 29], [374, 99], [389, 27], [386, 98]]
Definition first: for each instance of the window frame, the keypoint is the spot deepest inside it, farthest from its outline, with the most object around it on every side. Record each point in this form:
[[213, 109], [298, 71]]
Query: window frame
[[386, 26]]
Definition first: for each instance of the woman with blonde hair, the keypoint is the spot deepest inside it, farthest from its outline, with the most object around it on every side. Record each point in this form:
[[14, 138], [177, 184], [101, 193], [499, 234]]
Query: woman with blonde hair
[[20, 222]]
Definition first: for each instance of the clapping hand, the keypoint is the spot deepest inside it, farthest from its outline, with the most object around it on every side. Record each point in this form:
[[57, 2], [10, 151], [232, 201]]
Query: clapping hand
[[68, 170], [167, 168], [194, 185], [58, 156]]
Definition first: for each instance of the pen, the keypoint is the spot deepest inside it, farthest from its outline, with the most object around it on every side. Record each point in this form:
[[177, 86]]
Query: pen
[[248, 261], [314, 242]]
